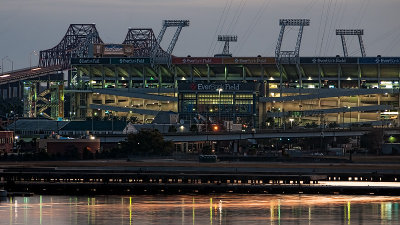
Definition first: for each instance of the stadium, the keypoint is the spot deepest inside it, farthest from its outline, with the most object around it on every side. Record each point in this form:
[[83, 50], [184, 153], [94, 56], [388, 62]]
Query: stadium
[[83, 77]]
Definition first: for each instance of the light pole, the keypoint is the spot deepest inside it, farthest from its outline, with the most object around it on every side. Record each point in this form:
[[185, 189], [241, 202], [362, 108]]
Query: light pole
[[12, 64], [291, 122], [34, 52], [2, 64], [350, 113], [344, 111], [219, 103]]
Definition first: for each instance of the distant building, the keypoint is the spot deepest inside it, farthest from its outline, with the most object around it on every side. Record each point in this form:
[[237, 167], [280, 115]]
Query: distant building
[[6, 141], [29, 127], [69, 146], [166, 118], [95, 127]]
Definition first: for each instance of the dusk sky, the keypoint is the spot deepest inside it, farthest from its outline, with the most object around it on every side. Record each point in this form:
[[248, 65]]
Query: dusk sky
[[27, 25]]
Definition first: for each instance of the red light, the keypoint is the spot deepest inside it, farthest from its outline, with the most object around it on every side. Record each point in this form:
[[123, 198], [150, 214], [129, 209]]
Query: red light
[[215, 128]]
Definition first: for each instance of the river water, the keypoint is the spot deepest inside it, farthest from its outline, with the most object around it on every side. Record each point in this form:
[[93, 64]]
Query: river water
[[200, 209]]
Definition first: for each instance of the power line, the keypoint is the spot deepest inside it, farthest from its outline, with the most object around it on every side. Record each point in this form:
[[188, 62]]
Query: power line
[[330, 29], [252, 26], [223, 24], [319, 28], [218, 25], [324, 30], [236, 16]]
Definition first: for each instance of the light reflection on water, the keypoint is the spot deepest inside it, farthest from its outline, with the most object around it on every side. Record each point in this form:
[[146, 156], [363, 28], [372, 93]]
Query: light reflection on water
[[200, 209]]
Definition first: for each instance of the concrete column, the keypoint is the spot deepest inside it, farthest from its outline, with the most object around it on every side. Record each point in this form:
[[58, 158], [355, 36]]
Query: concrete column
[[398, 111], [280, 79], [144, 77], [319, 76], [358, 105], [175, 79], [339, 76], [88, 102], [208, 73], [191, 73], [159, 77], [9, 94], [20, 90], [130, 84], [262, 73], [359, 76], [69, 78], [244, 73], [144, 107], [379, 76], [319, 107], [338, 116], [116, 77], [226, 73]]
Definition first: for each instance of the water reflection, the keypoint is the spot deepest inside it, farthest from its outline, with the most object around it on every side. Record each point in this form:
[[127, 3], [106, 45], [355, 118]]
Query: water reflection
[[200, 209]]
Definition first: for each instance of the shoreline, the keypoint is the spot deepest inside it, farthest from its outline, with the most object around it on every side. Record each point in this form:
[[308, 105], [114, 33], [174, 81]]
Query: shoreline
[[100, 177]]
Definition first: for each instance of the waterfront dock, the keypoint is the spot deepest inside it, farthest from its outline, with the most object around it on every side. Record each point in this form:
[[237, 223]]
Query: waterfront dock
[[120, 177]]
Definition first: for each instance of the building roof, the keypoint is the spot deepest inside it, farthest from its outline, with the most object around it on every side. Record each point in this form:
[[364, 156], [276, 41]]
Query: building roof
[[37, 124], [163, 117], [98, 125]]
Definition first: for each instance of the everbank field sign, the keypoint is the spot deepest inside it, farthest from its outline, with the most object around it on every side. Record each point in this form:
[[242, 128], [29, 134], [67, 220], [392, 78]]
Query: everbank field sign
[[215, 87]]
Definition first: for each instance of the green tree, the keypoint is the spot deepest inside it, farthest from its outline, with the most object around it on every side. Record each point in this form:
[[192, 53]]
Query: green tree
[[193, 128], [172, 129], [147, 142], [207, 150]]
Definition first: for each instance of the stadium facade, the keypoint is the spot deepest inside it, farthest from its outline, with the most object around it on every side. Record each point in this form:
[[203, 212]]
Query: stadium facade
[[137, 78], [254, 91]]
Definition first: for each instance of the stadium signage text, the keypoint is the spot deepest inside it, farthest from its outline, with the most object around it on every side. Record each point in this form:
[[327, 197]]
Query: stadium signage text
[[90, 61], [380, 60], [215, 60], [107, 61], [249, 60], [215, 87], [327, 60], [112, 49], [130, 60], [196, 60]]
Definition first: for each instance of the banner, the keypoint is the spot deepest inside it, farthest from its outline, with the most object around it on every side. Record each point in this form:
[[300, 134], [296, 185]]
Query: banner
[[196, 60], [379, 60], [328, 60], [107, 61], [130, 60], [249, 60], [83, 61], [112, 50], [214, 87]]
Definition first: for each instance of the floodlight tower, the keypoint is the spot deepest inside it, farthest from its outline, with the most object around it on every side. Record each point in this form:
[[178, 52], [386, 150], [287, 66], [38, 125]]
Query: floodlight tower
[[289, 55], [290, 22], [358, 32], [226, 39], [170, 23]]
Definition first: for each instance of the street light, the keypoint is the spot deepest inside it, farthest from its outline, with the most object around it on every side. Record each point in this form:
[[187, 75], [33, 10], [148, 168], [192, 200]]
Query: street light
[[350, 113], [291, 122], [219, 103]]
